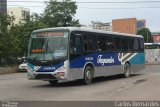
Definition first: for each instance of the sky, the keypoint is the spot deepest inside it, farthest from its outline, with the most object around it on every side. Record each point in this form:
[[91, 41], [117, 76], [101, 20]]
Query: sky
[[105, 12]]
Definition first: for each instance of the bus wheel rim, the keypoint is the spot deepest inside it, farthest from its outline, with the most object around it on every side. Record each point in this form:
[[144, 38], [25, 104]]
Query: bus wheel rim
[[88, 75]]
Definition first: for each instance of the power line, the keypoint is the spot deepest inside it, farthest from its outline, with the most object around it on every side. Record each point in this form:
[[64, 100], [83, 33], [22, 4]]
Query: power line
[[123, 2], [23, 6], [91, 2], [27, 1], [122, 8], [96, 8]]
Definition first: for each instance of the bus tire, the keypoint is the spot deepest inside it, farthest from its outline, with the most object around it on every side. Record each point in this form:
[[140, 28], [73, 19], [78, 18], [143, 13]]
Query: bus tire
[[127, 70], [88, 75], [53, 82]]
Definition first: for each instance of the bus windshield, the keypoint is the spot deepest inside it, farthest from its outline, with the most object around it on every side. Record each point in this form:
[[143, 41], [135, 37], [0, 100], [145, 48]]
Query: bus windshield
[[48, 46]]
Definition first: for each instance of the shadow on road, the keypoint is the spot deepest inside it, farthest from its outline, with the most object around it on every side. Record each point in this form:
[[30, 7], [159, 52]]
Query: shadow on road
[[112, 78], [97, 80]]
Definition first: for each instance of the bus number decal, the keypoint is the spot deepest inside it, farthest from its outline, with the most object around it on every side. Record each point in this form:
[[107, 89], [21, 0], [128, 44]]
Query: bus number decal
[[88, 58]]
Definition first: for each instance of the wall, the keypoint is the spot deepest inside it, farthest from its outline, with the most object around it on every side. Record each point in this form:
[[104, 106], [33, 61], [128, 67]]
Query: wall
[[152, 56], [6, 70]]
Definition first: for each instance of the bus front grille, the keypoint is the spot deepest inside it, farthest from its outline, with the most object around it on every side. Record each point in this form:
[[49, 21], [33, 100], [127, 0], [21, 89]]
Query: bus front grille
[[45, 71], [44, 76]]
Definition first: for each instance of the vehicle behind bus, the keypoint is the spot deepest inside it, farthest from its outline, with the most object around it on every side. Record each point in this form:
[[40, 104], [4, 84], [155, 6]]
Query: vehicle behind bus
[[152, 45]]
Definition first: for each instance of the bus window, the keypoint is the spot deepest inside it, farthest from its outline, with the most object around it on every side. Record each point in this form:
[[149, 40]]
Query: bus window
[[125, 44], [129, 44], [102, 42], [91, 42], [141, 44], [118, 43], [110, 43], [75, 44], [135, 45]]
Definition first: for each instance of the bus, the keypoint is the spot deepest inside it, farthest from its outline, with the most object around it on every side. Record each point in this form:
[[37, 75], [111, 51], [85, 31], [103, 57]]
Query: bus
[[72, 53], [152, 45]]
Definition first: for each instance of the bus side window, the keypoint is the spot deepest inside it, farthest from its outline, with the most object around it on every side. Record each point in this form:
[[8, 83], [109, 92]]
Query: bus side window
[[75, 45], [135, 44], [90, 42], [129, 44], [124, 44], [77, 49], [118, 43], [141, 45], [102, 42], [111, 43]]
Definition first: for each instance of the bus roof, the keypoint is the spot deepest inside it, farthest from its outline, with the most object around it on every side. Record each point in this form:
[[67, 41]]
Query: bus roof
[[85, 29]]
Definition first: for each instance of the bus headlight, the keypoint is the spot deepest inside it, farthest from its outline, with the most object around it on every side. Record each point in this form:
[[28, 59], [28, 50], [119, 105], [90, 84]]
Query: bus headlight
[[61, 73]]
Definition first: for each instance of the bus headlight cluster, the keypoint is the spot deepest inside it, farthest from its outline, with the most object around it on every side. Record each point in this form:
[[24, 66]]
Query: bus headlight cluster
[[61, 68]]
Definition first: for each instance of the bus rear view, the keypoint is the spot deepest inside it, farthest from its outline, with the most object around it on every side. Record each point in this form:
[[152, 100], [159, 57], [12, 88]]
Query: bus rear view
[[47, 55]]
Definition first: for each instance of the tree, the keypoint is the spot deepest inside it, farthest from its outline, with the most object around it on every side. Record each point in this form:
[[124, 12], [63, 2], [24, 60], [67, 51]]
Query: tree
[[14, 38], [145, 32], [60, 13], [5, 39], [22, 33]]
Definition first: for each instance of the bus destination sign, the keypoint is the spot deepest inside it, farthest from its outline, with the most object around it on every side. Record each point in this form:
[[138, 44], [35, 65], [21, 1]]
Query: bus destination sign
[[41, 34]]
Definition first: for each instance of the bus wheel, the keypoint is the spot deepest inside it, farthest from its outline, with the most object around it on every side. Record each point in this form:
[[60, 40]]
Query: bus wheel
[[88, 75], [53, 82], [127, 70]]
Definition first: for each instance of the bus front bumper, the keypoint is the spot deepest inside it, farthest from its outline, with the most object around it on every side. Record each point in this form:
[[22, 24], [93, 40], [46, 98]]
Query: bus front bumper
[[46, 76]]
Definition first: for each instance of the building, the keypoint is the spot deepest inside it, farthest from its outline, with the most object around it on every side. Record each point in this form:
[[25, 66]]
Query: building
[[86, 26], [128, 25], [101, 26], [3, 6], [19, 13], [141, 24]]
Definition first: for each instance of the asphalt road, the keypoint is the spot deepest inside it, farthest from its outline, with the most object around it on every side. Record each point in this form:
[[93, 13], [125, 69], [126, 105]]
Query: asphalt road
[[142, 86]]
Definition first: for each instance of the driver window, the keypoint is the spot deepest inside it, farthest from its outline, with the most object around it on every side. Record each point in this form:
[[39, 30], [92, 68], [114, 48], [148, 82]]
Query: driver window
[[75, 45]]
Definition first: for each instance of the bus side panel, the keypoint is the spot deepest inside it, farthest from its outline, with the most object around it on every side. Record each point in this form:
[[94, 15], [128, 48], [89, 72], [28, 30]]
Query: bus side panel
[[105, 64], [137, 62], [108, 70], [75, 73]]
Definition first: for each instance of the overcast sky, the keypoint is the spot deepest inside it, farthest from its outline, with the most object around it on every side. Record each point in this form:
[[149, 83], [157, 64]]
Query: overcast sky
[[105, 12]]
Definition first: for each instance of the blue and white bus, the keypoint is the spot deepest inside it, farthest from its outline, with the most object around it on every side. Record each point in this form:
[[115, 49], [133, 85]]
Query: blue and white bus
[[71, 53]]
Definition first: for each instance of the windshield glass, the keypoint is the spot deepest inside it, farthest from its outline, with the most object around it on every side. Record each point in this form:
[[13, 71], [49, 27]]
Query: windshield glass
[[48, 46]]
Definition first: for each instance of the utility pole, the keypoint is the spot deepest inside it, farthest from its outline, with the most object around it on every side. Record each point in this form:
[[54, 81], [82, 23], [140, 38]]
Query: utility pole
[[147, 35]]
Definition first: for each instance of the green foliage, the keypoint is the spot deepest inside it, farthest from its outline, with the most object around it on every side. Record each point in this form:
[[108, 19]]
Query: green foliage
[[4, 35], [60, 13], [145, 32], [14, 38]]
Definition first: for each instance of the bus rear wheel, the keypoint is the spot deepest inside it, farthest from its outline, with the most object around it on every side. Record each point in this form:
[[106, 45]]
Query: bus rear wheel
[[127, 70], [53, 82], [88, 75]]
